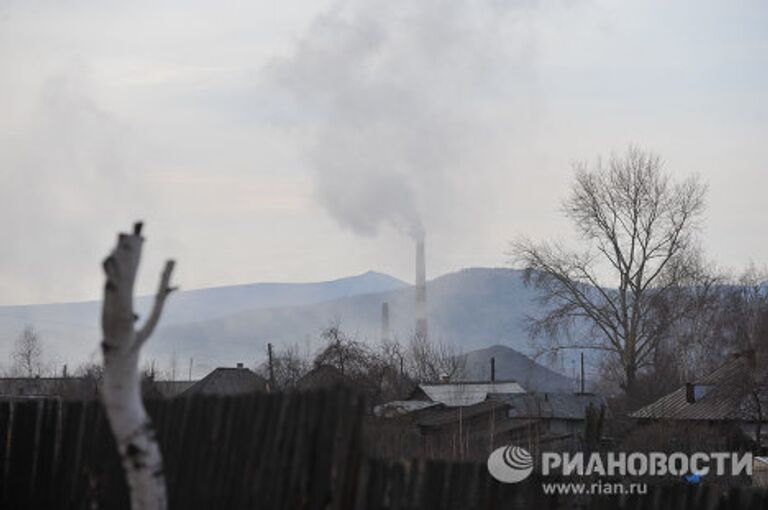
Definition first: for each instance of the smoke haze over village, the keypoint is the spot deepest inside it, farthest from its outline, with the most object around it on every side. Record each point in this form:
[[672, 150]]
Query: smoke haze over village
[[383, 254], [302, 143]]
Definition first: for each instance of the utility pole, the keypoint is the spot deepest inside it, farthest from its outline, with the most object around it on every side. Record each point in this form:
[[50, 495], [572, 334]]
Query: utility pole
[[582, 372], [191, 362]]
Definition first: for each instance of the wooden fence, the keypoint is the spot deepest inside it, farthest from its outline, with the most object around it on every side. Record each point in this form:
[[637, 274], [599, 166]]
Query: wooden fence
[[265, 451]]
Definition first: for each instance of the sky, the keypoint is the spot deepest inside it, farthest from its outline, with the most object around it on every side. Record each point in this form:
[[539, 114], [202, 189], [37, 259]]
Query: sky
[[309, 140]]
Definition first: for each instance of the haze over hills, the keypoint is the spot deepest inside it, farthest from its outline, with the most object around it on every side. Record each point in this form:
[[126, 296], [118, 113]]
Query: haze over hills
[[70, 331], [473, 309]]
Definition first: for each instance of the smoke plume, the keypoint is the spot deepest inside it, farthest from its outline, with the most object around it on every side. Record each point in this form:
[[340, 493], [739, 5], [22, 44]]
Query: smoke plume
[[397, 101]]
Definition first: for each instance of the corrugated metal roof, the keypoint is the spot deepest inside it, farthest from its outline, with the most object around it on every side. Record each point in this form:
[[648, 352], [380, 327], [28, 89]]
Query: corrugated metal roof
[[228, 381], [467, 393], [723, 400], [562, 406]]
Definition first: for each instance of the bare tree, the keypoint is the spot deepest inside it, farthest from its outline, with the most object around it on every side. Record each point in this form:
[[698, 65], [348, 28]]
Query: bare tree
[[121, 386], [736, 319], [379, 371], [737, 322], [28, 353], [343, 352], [752, 384], [288, 366], [391, 353], [641, 272], [433, 360]]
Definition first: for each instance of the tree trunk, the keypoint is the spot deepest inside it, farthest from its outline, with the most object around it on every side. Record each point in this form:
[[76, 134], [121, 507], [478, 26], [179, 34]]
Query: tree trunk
[[630, 383], [121, 386]]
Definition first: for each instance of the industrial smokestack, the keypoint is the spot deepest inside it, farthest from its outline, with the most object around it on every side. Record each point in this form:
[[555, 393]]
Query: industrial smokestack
[[384, 321], [421, 289]]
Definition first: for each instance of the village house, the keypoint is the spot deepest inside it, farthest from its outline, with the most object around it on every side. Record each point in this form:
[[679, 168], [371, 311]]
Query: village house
[[464, 393], [552, 421], [228, 381], [221, 381], [734, 396], [469, 419]]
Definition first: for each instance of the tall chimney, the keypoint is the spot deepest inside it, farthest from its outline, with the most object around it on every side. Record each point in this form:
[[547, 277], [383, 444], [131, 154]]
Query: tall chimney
[[421, 289], [384, 321]]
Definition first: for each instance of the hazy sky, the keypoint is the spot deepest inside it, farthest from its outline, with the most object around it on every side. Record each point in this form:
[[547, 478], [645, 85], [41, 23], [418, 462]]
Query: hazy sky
[[304, 140]]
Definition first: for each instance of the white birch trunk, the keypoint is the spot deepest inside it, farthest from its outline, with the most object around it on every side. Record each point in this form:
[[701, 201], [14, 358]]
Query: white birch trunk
[[121, 386]]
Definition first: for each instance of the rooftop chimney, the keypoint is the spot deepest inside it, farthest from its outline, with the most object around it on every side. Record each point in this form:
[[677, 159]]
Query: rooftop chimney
[[421, 290], [239, 365], [384, 321], [690, 394]]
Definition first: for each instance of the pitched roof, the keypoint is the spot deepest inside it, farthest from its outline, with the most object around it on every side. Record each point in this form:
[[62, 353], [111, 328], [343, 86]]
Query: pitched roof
[[722, 398], [443, 416], [467, 393], [401, 407], [322, 376], [169, 389], [562, 406], [228, 381]]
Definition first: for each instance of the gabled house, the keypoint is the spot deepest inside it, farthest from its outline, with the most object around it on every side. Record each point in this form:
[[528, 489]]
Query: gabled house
[[736, 393], [228, 381]]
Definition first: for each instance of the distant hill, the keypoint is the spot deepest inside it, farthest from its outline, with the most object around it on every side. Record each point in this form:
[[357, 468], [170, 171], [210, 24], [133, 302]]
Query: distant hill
[[472, 308], [70, 331], [511, 364]]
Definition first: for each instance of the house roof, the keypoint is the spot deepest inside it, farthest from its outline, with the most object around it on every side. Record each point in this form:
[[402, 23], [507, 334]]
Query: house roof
[[401, 407], [228, 381], [722, 399], [322, 376], [443, 416], [466, 393], [170, 389], [65, 387], [562, 406]]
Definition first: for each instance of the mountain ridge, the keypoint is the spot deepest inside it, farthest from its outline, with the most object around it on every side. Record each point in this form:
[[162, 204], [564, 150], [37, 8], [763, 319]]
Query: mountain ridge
[[73, 328], [472, 308]]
